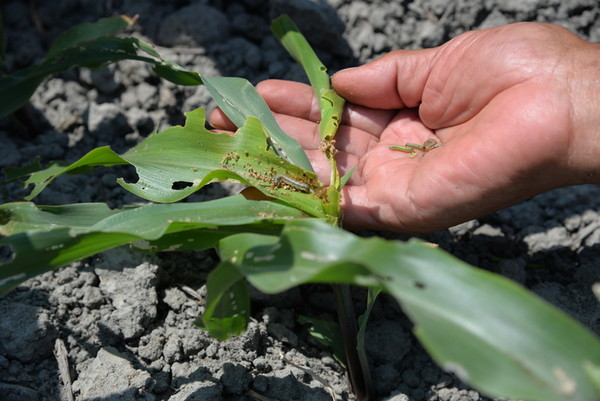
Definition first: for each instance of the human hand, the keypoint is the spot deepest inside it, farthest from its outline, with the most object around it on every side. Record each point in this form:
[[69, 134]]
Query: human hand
[[514, 108]]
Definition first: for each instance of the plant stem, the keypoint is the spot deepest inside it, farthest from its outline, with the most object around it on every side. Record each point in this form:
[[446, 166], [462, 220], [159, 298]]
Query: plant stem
[[360, 379]]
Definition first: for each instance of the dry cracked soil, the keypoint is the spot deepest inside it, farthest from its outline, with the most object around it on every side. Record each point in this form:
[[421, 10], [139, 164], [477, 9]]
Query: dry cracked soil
[[126, 319]]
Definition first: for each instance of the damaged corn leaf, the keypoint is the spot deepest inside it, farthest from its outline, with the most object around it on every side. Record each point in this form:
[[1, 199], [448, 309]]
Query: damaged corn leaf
[[471, 321], [330, 103], [176, 162], [47, 237], [91, 45], [239, 100]]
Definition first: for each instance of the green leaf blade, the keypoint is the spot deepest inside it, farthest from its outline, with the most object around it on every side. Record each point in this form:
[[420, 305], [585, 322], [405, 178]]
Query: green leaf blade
[[89, 45], [471, 321], [238, 99], [227, 309], [89, 31], [330, 103], [44, 238], [178, 161], [102, 156]]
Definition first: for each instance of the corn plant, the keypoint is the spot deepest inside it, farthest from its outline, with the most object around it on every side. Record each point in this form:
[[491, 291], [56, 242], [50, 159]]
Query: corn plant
[[492, 333]]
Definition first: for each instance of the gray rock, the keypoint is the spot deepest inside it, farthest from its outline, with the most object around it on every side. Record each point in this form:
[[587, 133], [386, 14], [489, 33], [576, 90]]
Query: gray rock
[[9, 154], [175, 298], [316, 19], [194, 25], [151, 345], [103, 80], [393, 335], [283, 334], [141, 120], [193, 341], [430, 34], [410, 377], [198, 390], [495, 18], [91, 297], [397, 396], [250, 26], [189, 382], [235, 378], [526, 7], [131, 290], [111, 376], [15, 392], [106, 120], [386, 378], [545, 240], [513, 269], [172, 349], [26, 332], [283, 385]]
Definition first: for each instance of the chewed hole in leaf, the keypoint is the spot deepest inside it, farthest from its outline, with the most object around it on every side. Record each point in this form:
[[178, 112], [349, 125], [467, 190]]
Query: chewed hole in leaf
[[6, 254], [179, 185]]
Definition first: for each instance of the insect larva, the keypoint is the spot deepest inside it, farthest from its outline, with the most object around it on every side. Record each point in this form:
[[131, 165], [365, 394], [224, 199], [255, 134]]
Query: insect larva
[[296, 184]]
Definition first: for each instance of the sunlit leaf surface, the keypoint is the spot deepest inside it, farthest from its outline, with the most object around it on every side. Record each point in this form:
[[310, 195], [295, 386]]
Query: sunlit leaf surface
[[471, 321]]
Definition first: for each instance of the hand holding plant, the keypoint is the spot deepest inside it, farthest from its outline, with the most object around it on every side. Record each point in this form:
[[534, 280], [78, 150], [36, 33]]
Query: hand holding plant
[[472, 322], [513, 107]]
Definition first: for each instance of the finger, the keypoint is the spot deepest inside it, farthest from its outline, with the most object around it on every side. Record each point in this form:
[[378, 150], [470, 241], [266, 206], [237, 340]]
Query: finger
[[219, 120], [348, 140], [394, 81], [290, 98], [298, 100]]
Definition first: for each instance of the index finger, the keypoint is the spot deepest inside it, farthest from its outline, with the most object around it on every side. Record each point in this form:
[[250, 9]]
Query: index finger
[[298, 100]]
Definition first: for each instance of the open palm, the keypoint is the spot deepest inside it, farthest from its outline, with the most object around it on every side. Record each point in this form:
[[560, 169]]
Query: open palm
[[497, 101]]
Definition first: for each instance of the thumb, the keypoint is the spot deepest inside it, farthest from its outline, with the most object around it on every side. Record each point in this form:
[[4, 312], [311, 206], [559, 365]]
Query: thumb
[[393, 81]]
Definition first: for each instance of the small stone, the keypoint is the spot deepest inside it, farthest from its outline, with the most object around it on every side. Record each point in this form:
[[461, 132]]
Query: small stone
[[25, 332], [151, 349], [172, 349], [9, 154], [106, 120], [410, 377], [194, 25], [110, 372], [283, 334], [175, 298], [235, 378]]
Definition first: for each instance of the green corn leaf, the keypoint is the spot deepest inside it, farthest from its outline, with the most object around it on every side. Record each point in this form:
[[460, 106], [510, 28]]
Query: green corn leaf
[[21, 172], [286, 31], [593, 372], [87, 45], [89, 31], [330, 103], [227, 305], [327, 332], [102, 156], [238, 99], [178, 161], [47, 237], [471, 321], [372, 295]]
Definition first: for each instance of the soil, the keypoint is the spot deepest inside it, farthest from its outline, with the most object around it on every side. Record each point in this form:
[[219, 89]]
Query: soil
[[126, 319]]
